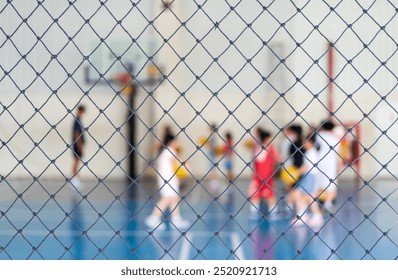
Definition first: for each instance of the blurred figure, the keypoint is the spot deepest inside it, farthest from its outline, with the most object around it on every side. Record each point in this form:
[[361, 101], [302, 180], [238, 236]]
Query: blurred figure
[[78, 142], [226, 150], [180, 171], [228, 158], [328, 162], [262, 183], [293, 156], [169, 186], [285, 146], [306, 189], [157, 145], [254, 142], [211, 145]]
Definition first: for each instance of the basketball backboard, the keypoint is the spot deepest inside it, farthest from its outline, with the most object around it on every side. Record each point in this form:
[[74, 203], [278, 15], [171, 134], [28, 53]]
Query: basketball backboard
[[112, 57]]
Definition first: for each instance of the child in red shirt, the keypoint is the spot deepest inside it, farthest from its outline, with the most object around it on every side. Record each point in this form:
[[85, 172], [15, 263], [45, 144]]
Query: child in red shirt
[[262, 183]]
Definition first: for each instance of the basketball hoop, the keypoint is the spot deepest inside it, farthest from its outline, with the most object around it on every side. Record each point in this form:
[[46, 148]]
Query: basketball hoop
[[124, 79]]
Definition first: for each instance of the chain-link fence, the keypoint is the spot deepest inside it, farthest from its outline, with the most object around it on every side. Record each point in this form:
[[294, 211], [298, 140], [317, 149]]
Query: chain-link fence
[[250, 129]]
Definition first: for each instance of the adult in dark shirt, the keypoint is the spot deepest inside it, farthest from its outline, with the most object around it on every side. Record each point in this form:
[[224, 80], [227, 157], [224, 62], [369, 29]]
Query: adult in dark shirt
[[78, 141]]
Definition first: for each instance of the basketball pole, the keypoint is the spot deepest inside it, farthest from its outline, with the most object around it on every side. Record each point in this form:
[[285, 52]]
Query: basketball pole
[[130, 87], [132, 128]]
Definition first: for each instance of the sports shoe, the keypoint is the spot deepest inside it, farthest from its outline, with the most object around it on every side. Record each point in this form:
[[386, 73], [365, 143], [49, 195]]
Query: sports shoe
[[179, 223], [153, 222]]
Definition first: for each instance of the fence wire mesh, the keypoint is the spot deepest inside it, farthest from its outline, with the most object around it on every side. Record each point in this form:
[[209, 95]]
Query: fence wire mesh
[[198, 129]]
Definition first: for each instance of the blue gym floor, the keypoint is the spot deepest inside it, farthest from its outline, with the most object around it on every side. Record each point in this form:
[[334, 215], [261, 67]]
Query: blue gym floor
[[49, 220]]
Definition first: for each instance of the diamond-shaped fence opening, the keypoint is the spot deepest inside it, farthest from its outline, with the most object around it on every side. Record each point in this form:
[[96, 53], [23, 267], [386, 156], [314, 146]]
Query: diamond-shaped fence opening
[[233, 129]]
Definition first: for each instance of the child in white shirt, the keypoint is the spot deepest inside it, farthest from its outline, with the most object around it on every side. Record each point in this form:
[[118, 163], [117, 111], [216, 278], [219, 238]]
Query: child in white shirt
[[306, 188], [169, 187]]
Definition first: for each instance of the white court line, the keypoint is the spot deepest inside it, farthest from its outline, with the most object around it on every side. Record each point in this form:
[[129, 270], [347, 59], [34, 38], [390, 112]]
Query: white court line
[[186, 247], [237, 246]]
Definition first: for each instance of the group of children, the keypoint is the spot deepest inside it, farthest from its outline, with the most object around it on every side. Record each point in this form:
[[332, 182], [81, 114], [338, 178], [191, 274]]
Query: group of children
[[311, 163], [313, 158]]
